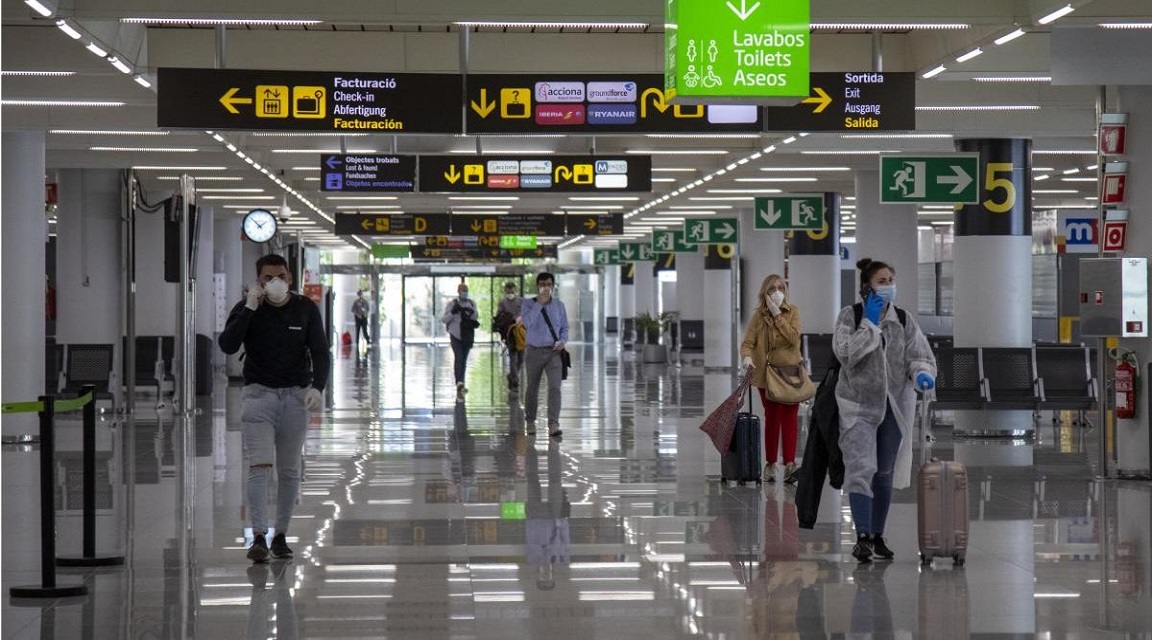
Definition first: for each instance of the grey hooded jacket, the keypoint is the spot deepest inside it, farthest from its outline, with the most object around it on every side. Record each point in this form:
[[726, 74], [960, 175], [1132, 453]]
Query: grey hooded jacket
[[879, 365]]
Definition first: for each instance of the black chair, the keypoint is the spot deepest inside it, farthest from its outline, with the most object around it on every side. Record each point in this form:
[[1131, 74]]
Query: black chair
[[1010, 380], [818, 353], [53, 365], [153, 362], [1066, 380], [959, 380]]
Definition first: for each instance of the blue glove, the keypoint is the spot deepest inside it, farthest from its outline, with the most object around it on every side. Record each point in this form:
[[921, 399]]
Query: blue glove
[[873, 307], [924, 382]]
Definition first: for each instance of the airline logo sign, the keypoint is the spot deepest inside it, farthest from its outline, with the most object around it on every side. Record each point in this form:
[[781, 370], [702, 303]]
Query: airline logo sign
[[577, 103], [561, 173], [1080, 233]]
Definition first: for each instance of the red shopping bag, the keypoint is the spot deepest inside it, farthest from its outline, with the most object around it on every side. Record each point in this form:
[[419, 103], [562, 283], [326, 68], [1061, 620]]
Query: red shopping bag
[[720, 424]]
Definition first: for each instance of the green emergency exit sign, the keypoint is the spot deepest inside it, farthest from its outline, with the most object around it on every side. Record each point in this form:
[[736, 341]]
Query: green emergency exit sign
[[736, 48], [382, 251]]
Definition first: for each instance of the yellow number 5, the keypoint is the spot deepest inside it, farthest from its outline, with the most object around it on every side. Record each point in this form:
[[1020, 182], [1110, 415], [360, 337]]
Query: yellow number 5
[[991, 183]]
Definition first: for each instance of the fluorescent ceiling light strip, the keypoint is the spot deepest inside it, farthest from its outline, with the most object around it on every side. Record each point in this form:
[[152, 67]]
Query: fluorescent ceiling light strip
[[323, 151], [38, 74], [105, 132], [171, 168], [697, 207], [120, 65], [893, 136], [733, 198], [552, 25], [1064, 152], [96, 50], [889, 26], [674, 169], [231, 190], [39, 8], [933, 72], [68, 29], [840, 152], [489, 206], [1055, 191], [603, 198], [1013, 79], [791, 179], [368, 206], [485, 198], [971, 54], [804, 169], [305, 168], [286, 22], [663, 179], [143, 82], [1077, 179], [305, 134], [677, 152], [1057, 14], [363, 197], [748, 191], [205, 178], [1125, 25], [980, 107], [20, 102], [238, 197], [709, 136], [146, 149], [1009, 37]]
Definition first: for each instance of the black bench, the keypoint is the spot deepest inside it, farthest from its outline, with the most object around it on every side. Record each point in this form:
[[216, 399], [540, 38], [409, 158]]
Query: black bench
[[1067, 382]]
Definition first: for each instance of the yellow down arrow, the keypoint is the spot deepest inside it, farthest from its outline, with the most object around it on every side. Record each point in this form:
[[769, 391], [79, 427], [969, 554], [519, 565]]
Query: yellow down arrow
[[451, 175], [229, 99], [485, 107], [821, 99]]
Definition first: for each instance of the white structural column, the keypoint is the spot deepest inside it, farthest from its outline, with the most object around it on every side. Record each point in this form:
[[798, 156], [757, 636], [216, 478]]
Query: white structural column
[[1133, 440], [814, 270], [690, 285], [993, 265], [627, 297], [761, 255], [228, 264], [88, 300], [645, 290], [610, 280], [887, 232], [24, 229]]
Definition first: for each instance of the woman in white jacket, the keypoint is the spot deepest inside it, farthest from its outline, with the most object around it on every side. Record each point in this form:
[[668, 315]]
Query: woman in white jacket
[[884, 358]]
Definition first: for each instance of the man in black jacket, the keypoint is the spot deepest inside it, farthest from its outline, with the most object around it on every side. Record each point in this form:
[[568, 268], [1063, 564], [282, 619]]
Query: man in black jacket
[[286, 366]]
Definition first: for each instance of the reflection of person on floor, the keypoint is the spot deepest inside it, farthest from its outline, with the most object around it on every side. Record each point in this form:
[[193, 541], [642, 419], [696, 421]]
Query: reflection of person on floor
[[272, 612], [871, 610], [781, 599], [462, 454], [546, 529]]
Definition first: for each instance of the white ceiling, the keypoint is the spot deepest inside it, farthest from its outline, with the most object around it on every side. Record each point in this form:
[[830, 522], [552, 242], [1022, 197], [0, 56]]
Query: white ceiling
[[404, 35]]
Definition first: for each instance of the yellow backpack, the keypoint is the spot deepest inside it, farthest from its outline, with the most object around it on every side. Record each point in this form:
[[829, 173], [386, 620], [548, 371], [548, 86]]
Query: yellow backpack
[[517, 337]]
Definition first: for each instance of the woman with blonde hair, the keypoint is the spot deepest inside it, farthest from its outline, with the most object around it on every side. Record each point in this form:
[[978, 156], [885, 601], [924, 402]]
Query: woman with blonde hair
[[771, 350]]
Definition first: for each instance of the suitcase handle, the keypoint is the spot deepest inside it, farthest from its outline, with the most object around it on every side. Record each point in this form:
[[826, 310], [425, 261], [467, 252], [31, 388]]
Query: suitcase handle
[[925, 420]]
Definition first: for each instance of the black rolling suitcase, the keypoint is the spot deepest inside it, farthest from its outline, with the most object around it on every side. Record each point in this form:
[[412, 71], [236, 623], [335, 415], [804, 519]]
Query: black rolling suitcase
[[742, 461]]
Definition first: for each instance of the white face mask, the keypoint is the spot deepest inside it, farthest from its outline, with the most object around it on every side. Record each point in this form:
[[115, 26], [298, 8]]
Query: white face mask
[[545, 291], [277, 290], [509, 296], [777, 298]]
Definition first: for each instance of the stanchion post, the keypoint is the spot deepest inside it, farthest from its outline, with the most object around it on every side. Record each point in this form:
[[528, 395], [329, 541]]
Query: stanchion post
[[89, 558], [48, 588]]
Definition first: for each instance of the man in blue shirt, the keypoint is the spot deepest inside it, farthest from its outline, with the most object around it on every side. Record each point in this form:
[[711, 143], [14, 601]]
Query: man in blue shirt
[[546, 324]]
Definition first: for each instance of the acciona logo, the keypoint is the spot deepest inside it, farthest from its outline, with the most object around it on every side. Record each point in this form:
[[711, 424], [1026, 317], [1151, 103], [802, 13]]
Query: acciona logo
[[559, 92]]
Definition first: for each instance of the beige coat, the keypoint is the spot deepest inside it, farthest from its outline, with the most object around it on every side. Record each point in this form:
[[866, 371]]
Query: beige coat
[[772, 340]]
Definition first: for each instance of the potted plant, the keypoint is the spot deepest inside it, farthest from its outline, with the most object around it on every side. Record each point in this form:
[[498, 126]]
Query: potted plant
[[651, 329]]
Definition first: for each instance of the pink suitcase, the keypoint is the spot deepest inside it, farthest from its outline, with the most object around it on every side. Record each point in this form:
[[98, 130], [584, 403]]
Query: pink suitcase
[[942, 501]]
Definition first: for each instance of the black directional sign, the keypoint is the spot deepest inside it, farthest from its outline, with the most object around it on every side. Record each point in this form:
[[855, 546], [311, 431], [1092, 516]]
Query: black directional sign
[[367, 173], [851, 101], [595, 224], [394, 224], [496, 174], [339, 101], [583, 103], [540, 224], [479, 254]]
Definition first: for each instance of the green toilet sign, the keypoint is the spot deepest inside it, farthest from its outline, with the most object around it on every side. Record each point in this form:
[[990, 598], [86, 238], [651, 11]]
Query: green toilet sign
[[936, 179], [789, 212], [736, 48]]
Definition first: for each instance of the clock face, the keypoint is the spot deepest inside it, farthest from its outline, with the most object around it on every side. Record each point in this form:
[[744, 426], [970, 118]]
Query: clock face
[[259, 225]]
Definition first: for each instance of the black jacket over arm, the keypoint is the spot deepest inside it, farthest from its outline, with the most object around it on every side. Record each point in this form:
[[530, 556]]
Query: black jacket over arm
[[822, 456]]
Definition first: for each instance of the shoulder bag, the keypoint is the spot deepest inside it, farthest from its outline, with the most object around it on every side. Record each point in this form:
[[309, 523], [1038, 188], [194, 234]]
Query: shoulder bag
[[565, 357]]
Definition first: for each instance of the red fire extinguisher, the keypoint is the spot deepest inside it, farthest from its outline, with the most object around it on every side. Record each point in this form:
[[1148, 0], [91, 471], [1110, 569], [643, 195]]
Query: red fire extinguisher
[[1125, 388]]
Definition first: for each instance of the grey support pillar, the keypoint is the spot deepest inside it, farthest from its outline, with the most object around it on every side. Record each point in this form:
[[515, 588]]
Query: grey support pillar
[[627, 299], [814, 270], [719, 316], [229, 267], [25, 231], [762, 254], [610, 279], [887, 232], [993, 266], [1133, 440], [88, 258], [645, 289]]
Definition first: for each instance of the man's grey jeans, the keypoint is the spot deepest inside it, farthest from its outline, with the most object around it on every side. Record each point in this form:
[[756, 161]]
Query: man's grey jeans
[[539, 361], [275, 424]]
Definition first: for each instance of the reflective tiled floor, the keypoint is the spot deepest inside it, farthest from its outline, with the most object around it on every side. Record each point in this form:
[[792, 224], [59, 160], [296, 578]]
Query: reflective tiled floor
[[421, 518]]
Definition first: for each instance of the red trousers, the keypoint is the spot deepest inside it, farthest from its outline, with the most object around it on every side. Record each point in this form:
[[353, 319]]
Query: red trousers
[[779, 417]]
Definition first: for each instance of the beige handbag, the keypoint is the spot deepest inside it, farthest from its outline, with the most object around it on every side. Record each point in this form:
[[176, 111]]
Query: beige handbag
[[788, 384]]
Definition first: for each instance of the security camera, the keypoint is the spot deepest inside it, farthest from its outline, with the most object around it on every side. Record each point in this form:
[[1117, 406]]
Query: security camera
[[285, 213]]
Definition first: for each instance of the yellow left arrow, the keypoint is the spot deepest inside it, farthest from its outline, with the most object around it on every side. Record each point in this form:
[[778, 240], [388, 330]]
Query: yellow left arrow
[[367, 224], [821, 100], [229, 99]]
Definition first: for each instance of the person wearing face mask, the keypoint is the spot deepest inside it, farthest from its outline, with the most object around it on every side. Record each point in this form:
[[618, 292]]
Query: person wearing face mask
[[505, 324], [884, 359], [460, 319], [546, 323], [286, 365], [771, 351]]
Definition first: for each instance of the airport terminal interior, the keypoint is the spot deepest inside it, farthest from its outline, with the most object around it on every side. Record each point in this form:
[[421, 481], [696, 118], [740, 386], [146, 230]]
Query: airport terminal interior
[[658, 160]]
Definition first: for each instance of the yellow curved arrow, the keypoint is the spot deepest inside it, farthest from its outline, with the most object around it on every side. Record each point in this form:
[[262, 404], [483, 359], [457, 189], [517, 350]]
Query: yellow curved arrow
[[657, 102], [821, 99], [229, 99]]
